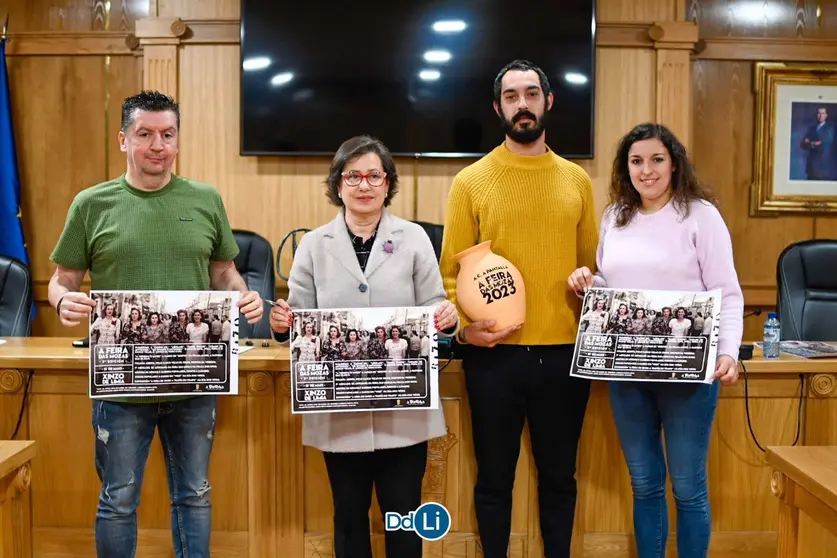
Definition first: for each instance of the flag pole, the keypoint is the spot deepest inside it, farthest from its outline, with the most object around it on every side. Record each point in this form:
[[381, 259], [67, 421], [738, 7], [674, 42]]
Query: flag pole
[[5, 28]]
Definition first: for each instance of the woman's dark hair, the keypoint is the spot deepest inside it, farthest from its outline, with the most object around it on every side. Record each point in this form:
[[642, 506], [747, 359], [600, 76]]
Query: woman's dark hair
[[351, 149], [685, 184], [159, 320]]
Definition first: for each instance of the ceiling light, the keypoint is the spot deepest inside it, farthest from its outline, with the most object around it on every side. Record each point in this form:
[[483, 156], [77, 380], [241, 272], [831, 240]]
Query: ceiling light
[[430, 75], [256, 63], [575, 78], [437, 56], [449, 26], [281, 79]]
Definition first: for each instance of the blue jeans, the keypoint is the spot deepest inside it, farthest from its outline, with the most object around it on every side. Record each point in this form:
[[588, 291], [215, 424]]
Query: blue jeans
[[124, 432], [684, 413]]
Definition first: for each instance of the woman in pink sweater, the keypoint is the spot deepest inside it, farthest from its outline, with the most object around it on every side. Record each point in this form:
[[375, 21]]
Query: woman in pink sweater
[[662, 231]]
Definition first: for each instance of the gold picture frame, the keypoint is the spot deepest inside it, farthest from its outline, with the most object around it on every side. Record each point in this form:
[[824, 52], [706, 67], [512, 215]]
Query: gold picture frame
[[796, 139]]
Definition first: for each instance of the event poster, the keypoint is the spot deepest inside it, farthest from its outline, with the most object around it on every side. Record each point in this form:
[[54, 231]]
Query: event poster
[[145, 343], [364, 359], [642, 335]]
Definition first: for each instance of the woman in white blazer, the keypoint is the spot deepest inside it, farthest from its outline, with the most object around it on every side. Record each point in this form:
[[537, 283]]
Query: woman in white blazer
[[367, 257]]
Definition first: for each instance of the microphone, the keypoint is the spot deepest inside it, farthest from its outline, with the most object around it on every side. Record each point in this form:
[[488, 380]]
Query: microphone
[[756, 312]]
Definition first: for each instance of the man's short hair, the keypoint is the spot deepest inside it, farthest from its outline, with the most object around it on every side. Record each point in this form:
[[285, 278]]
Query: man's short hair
[[522, 66], [151, 101]]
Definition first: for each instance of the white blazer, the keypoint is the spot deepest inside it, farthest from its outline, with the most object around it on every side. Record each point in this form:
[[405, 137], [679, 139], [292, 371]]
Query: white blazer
[[326, 274]]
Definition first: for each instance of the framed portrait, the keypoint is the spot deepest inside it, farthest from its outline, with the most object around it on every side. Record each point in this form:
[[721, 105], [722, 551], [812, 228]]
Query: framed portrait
[[796, 139]]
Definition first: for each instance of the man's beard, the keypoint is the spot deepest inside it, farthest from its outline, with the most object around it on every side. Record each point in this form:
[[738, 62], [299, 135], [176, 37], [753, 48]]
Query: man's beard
[[527, 135]]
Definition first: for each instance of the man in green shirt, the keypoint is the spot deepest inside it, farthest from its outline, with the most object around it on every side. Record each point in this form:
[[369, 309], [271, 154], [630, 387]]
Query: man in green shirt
[[144, 231]]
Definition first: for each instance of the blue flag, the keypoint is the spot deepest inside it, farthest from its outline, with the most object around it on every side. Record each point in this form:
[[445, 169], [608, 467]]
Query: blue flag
[[11, 228], [12, 243]]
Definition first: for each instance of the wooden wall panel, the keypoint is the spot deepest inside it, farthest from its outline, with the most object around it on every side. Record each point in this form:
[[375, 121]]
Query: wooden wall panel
[[637, 10], [673, 89], [66, 141], [724, 140], [61, 151], [199, 9], [73, 15], [432, 186], [123, 79], [625, 81], [774, 18]]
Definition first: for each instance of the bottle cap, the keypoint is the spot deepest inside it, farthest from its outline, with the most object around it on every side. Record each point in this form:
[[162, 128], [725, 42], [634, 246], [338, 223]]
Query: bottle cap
[[771, 315]]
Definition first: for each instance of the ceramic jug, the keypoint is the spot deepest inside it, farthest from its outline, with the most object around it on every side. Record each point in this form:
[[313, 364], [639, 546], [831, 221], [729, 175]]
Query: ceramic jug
[[489, 287]]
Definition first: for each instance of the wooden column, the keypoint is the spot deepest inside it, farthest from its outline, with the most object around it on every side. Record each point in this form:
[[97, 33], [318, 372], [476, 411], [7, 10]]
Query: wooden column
[[15, 528], [674, 42], [788, 529], [159, 38]]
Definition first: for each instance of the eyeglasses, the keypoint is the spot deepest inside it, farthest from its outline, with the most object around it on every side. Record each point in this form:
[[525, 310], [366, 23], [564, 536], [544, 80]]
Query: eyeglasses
[[354, 178]]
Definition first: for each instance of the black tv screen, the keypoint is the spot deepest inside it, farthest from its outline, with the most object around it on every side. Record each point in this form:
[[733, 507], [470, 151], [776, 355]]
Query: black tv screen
[[418, 75]]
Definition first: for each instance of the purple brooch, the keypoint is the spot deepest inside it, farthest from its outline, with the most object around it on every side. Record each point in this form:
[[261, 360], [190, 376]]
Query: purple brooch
[[388, 247]]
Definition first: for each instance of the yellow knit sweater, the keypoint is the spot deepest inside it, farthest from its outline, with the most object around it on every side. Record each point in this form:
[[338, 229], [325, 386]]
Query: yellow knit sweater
[[538, 213]]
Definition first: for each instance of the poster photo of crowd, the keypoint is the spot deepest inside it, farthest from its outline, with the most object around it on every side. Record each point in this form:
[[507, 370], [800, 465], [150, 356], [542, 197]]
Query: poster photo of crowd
[[365, 359], [647, 335], [163, 343]]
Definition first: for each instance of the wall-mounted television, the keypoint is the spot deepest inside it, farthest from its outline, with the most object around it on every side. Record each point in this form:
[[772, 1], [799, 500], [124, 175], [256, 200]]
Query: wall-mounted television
[[418, 75]]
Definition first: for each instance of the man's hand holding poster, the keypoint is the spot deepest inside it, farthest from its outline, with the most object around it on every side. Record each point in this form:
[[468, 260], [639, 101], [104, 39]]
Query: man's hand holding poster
[[666, 336]]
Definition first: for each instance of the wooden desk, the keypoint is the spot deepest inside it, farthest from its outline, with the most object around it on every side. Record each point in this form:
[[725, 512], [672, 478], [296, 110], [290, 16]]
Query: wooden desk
[[805, 480], [271, 495], [14, 482]]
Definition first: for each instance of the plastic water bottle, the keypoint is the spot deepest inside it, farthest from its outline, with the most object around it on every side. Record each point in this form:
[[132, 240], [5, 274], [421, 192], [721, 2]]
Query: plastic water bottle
[[772, 336]]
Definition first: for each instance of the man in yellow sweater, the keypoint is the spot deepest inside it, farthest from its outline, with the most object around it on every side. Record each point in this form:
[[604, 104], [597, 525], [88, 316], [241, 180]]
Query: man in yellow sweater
[[537, 209]]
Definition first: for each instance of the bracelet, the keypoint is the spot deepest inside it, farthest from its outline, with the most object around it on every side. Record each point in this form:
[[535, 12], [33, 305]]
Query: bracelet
[[58, 305]]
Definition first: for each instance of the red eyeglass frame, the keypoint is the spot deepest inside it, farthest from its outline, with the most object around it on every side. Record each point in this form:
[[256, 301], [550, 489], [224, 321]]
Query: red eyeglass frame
[[364, 176]]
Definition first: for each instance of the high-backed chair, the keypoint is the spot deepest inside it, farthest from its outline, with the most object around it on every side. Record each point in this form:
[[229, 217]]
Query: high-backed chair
[[294, 236], [806, 279], [255, 264], [16, 296], [435, 233]]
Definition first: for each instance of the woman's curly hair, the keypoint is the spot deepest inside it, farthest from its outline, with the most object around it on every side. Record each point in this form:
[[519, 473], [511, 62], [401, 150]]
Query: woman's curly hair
[[685, 184]]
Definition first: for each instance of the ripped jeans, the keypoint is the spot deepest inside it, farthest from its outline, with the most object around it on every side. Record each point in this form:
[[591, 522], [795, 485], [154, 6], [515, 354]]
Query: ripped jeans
[[124, 432]]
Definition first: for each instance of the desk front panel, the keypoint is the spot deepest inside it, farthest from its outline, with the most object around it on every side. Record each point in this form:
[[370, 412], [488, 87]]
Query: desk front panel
[[271, 495]]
